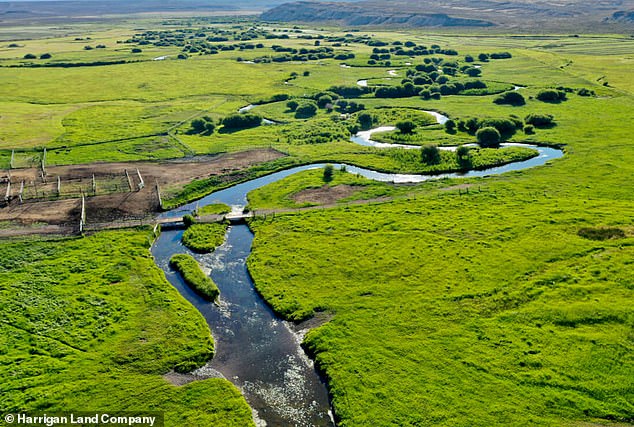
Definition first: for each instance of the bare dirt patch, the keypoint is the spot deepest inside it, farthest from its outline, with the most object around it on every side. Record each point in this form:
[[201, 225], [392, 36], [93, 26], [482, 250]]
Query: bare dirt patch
[[118, 196], [326, 194]]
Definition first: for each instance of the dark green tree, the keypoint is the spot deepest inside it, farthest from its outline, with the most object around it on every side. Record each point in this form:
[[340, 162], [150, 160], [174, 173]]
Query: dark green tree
[[406, 126], [430, 154], [473, 72], [292, 105], [324, 100], [306, 109], [506, 127], [198, 126], [188, 220], [488, 137], [329, 173], [365, 120], [241, 121], [463, 155], [202, 126], [551, 95], [539, 120], [510, 98]]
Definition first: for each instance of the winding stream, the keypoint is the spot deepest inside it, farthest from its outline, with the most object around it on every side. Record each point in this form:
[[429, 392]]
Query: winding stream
[[256, 350]]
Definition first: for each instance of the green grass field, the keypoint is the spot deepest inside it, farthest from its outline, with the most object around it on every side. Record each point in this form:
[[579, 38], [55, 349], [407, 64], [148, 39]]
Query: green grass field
[[91, 324], [494, 306], [484, 308]]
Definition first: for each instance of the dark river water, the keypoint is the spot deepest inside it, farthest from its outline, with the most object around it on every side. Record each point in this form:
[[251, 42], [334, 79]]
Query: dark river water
[[255, 350]]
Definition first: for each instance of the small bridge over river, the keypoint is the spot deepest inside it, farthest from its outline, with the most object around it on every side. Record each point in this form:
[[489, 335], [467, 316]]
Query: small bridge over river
[[232, 217]]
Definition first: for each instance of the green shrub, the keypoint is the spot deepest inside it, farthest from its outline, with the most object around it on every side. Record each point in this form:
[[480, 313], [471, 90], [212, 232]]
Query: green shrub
[[473, 72], [292, 105], [510, 98], [188, 220], [488, 137], [306, 109], [463, 155], [406, 126], [586, 92], [324, 100], [241, 121], [539, 120], [506, 127], [188, 267], [551, 95], [202, 126], [365, 120], [430, 154], [329, 172]]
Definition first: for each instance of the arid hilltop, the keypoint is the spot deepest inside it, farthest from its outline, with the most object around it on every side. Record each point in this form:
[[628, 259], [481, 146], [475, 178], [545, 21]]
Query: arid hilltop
[[561, 15]]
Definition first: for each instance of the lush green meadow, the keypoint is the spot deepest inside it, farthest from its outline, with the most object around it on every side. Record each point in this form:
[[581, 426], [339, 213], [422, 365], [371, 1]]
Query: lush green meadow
[[143, 109], [492, 306], [455, 310], [91, 324], [481, 308]]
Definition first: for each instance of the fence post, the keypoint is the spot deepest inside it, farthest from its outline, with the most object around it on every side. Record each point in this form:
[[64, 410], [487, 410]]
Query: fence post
[[127, 175], [43, 164], [158, 192], [82, 217], [141, 182]]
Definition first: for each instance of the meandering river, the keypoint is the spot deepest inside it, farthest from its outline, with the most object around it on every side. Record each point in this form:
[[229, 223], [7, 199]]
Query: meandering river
[[256, 350]]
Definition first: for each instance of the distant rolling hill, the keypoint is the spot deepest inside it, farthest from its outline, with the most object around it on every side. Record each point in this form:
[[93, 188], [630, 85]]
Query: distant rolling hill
[[30, 12], [622, 16], [552, 15], [355, 14]]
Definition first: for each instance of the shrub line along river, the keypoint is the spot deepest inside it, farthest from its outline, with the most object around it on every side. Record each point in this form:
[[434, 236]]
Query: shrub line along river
[[256, 350]]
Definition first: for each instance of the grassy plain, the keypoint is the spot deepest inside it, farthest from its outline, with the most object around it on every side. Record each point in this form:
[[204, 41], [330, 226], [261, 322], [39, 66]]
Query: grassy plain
[[91, 324], [104, 119], [486, 308]]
